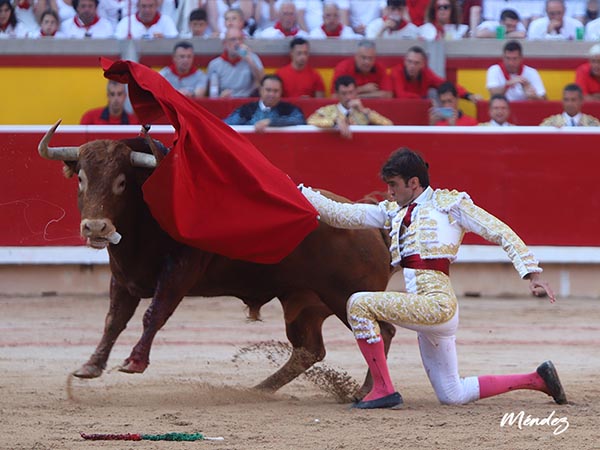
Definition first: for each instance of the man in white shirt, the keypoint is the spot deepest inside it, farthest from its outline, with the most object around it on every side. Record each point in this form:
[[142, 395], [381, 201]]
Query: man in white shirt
[[332, 26], [87, 23], [528, 9], [310, 12], [509, 19], [514, 79], [147, 23], [363, 12], [393, 24], [555, 26], [286, 25]]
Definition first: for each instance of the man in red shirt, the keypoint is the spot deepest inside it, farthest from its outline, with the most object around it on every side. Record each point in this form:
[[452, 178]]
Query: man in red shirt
[[299, 79], [413, 79], [448, 113], [587, 75], [371, 76], [114, 113]]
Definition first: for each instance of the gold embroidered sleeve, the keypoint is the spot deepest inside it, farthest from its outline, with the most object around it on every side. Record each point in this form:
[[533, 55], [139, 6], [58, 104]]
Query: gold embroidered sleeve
[[323, 118], [475, 219], [377, 119], [345, 215]]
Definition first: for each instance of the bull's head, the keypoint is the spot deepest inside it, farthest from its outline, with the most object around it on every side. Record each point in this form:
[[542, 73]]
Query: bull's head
[[104, 168]]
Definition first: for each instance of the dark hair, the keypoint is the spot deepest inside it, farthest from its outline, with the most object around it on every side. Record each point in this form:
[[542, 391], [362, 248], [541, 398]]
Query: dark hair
[[417, 49], [406, 163], [447, 86], [271, 76], [501, 97], [573, 87], [509, 14], [396, 3], [50, 12], [12, 19], [432, 7], [297, 41], [344, 80], [76, 4], [198, 14], [183, 44], [512, 46]]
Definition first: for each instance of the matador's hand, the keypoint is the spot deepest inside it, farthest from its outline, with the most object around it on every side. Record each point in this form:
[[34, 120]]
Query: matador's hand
[[540, 287]]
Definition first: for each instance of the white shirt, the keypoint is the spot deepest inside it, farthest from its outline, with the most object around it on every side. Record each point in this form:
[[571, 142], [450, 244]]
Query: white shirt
[[73, 28], [495, 79], [409, 31], [164, 26], [525, 8], [313, 11], [26, 17], [274, 33], [264, 17], [347, 33], [428, 32], [492, 25], [363, 12], [592, 30], [571, 121], [538, 29]]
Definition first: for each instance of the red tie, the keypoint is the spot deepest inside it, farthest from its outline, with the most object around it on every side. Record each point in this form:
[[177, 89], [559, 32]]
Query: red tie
[[406, 221]]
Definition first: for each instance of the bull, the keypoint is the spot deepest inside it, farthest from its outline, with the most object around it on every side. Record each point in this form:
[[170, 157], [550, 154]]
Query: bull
[[312, 283]]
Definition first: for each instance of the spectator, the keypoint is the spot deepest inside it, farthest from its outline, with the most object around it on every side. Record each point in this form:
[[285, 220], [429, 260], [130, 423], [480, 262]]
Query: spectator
[[234, 18], [363, 12], [509, 19], [238, 69], [591, 11], [448, 113], [64, 8], [576, 9], [416, 11], [571, 116], [48, 27], [216, 10], [471, 14], [555, 26], [394, 24], [87, 23], [514, 79], [299, 79], [349, 110], [528, 10], [442, 19], [332, 26], [587, 75], [24, 10], [499, 110], [182, 74], [147, 23], [413, 79], [286, 25], [592, 30], [266, 13], [370, 75], [114, 10], [269, 111], [9, 26], [114, 113], [310, 12], [197, 25]]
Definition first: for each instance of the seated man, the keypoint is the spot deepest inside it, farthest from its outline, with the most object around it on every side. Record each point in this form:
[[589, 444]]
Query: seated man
[[394, 24], [114, 113], [349, 110], [587, 75], [86, 23], [571, 116], [509, 19], [499, 112], [332, 25], [371, 76], [286, 25], [197, 25], [448, 114], [182, 74], [147, 23], [556, 25], [269, 111], [514, 79], [299, 79]]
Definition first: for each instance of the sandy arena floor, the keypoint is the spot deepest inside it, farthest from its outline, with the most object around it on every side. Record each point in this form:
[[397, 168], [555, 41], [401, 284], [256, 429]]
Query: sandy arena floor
[[207, 358]]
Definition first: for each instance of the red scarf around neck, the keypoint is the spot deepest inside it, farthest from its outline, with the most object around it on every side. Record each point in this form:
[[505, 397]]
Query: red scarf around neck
[[232, 61], [291, 32], [24, 5], [80, 23], [154, 21], [46, 35], [505, 72], [335, 33], [182, 75]]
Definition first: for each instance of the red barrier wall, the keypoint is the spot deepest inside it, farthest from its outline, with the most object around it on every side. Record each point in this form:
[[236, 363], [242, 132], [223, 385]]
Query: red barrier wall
[[533, 112], [541, 182]]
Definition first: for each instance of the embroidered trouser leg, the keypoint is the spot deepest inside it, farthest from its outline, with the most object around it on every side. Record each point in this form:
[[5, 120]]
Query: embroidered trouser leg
[[429, 308]]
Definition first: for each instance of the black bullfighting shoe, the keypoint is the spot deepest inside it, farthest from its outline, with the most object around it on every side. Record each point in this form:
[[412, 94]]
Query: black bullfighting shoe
[[389, 401], [547, 371]]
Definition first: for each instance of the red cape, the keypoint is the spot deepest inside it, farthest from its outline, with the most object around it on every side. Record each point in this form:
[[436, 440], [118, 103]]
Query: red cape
[[214, 190]]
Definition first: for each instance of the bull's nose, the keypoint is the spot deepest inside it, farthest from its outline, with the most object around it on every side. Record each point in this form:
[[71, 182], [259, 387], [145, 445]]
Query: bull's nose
[[91, 227]]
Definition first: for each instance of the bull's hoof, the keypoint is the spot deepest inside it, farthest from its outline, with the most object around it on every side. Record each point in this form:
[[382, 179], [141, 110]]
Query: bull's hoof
[[88, 371], [132, 366]]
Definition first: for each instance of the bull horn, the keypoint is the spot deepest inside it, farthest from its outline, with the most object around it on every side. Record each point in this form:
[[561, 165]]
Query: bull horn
[[59, 153], [139, 159]]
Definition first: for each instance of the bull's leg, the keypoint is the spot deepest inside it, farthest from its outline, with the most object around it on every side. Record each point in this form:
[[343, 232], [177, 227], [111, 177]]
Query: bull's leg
[[122, 308], [304, 314], [179, 274]]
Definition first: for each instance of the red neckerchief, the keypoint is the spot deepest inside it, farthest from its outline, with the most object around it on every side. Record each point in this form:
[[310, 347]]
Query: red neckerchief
[[181, 75], [47, 35], [154, 21], [440, 30], [80, 24], [24, 5], [335, 33], [400, 25], [5, 27], [505, 72], [232, 61], [291, 32]]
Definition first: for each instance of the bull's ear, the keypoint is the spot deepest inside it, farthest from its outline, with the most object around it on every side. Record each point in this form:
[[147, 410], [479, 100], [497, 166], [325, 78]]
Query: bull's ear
[[69, 169]]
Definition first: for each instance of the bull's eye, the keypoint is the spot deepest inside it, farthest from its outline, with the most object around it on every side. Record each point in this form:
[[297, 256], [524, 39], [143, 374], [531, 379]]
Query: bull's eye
[[82, 180], [119, 184]]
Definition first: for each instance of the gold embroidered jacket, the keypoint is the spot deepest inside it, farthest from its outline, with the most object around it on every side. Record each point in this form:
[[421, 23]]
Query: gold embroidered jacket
[[559, 121], [326, 117], [439, 222]]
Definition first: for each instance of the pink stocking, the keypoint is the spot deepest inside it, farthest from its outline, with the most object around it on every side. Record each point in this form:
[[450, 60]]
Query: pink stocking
[[490, 385], [374, 354]]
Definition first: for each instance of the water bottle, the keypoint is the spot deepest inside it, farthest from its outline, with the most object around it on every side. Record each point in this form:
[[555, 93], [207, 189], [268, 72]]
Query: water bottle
[[213, 89]]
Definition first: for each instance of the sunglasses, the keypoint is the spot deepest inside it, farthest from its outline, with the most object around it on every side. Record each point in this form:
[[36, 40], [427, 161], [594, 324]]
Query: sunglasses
[[443, 7]]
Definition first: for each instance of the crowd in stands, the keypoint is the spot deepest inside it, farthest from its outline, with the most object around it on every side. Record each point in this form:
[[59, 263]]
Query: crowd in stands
[[312, 19]]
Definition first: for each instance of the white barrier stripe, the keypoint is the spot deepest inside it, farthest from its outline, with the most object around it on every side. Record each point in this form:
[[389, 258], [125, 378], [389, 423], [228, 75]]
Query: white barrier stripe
[[466, 254]]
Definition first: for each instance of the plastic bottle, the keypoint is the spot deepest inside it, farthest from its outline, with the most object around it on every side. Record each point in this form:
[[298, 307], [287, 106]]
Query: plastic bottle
[[213, 89]]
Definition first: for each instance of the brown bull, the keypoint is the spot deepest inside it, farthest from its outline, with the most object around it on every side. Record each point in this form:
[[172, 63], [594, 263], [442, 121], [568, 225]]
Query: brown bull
[[311, 283]]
